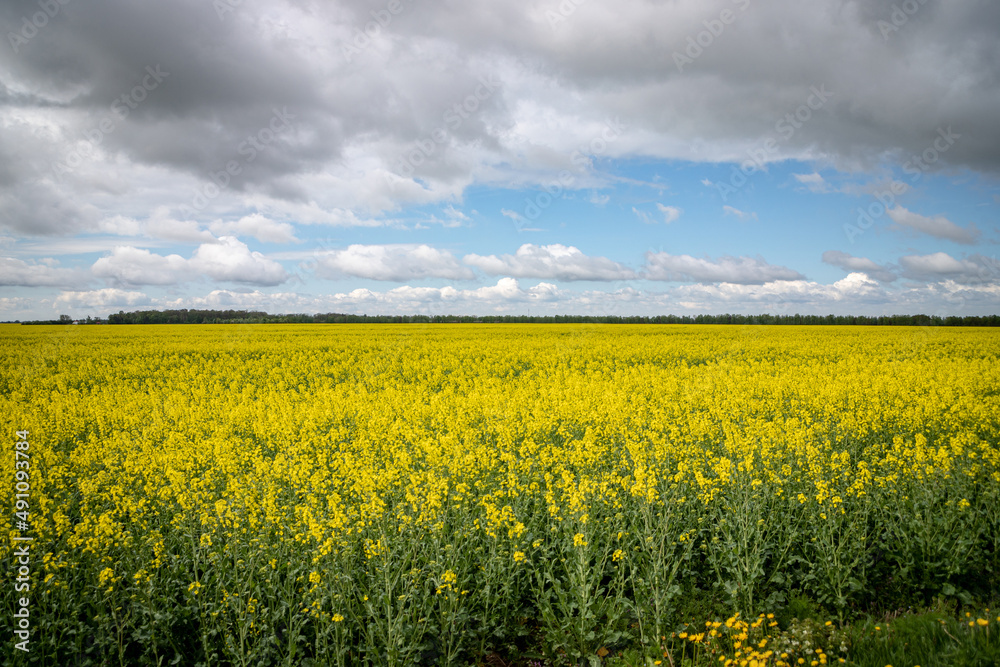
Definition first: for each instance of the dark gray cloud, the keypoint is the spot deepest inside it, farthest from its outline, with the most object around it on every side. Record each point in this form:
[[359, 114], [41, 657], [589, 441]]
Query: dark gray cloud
[[362, 106]]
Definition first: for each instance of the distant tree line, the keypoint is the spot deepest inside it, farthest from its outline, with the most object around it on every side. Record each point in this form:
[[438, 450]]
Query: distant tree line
[[185, 316]]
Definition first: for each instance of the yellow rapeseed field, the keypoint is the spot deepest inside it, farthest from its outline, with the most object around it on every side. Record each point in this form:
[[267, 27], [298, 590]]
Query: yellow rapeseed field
[[436, 494]]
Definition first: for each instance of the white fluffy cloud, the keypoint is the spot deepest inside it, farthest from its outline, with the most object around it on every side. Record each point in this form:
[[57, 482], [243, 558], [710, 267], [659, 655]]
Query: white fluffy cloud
[[231, 260], [853, 291], [738, 270], [553, 262], [228, 260], [137, 266], [258, 226], [396, 262], [938, 226]]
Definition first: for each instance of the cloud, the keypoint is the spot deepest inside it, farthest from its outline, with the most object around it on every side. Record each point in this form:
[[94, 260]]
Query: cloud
[[644, 216], [102, 298], [670, 213], [18, 273], [129, 266], [228, 260], [121, 225], [12, 306], [736, 270], [506, 295], [258, 226], [455, 216], [270, 302], [814, 182], [396, 262], [513, 215], [784, 296], [231, 260], [848, 262], [554, 262], [941, 266], [938, 226], [742, 215], [352, 125], [162, 225], [159, 225]]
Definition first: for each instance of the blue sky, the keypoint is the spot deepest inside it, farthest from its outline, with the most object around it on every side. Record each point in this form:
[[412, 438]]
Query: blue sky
[[528, 158]]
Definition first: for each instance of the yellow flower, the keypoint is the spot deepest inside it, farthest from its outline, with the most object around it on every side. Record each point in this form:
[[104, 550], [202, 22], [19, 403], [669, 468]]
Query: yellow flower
[[579, 540], [106, 576]]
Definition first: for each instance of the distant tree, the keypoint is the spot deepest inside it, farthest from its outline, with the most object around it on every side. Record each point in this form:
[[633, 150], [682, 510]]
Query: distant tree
[[65, 319]]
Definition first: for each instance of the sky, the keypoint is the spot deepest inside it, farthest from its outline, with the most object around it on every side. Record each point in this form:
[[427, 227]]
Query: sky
[[480, 157]]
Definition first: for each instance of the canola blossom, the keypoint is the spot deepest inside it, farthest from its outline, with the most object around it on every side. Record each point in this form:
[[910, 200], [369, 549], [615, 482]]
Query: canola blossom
[[435, 494]]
